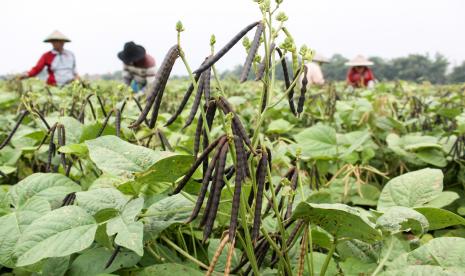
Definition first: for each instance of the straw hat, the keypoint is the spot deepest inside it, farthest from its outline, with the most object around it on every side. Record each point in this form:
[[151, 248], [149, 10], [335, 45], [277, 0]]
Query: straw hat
[[320, 58], [56, 35], [359, 61]]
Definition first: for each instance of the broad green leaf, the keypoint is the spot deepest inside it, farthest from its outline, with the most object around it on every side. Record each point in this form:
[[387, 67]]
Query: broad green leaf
[[402, 219], [49, 186], [77, 149], [353, 266], [73, 128], [129, 232], [7, 170], [55, 266], [279, 126], [443, 252], [424, 270], [440, 218], [5, 200], [91, 130], [318, 142], [62, 232], [432, 156], [367, 253], [165, 170], [92, 262], [168, 269], [339, 220], [166, 212], [443, 199], [95, 200], [14, 224], [120, 158], [412, 189], [318, 261]]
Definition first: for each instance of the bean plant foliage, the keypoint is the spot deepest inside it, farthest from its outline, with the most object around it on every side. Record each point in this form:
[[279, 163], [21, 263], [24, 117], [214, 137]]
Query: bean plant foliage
[[254, 176]]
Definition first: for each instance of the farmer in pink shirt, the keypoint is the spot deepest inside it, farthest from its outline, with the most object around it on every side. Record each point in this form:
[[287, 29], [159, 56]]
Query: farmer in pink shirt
[[314, 73]]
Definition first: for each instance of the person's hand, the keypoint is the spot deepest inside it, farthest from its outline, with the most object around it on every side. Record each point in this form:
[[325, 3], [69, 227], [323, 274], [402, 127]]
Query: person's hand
[[21, 76]]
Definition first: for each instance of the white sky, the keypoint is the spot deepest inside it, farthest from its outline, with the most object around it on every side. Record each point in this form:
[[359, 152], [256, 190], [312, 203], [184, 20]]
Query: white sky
[[99, 28]]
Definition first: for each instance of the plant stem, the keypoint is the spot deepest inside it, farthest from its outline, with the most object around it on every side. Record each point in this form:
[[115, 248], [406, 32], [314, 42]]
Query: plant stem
[[328, 258], [184, 253], [384, 260]]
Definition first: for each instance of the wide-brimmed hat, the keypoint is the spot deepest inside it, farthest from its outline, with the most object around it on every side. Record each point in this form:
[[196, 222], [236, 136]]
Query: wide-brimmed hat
[[320, 58], [56, 35], [131, 52], [359, 61]]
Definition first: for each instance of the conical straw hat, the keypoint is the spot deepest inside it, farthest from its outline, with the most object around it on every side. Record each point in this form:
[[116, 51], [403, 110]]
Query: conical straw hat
[[359, 61], [56, 35], [320, 58]]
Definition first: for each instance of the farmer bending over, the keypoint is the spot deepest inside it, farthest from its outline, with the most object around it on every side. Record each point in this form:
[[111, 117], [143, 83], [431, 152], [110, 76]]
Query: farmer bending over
[[359, 75], [60, 63], [314, 73], [139, 67]]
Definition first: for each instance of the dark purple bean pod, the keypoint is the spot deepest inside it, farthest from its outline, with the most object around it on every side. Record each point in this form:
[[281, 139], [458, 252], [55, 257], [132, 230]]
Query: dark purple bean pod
[[205, 181], [105, 122], [252, 52], [240, 176], [208, 206], [164, 141], [42, 118], [226, 107], [300, 105], [15, 128], [158, 87], [206, 84], [261, 176], [287, 81], [140, 109], [226, 48], [92, 108], [61, 142], [217, 193], [196, 103], [262, 65], [197, 163], [51, 147], [69, 199], [113, 256], [102, 106], [118, 122], [198, 135]]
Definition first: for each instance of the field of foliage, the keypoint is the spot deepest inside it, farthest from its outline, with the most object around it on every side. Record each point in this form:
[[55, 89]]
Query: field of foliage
[[233, 177]]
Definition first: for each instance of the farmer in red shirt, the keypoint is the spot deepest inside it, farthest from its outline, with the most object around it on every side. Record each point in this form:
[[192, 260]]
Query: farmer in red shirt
[[359, 74], [60, 63]]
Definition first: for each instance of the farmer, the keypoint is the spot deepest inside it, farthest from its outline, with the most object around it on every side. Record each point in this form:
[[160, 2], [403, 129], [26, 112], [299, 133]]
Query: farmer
[[359, 75], [60, 63], [139, 67], [314, 73]]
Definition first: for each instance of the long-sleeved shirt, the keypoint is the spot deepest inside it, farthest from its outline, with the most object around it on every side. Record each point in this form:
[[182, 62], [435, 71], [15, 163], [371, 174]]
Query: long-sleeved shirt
[[357, 79], [61, 67], [142, 72], [314, 74]]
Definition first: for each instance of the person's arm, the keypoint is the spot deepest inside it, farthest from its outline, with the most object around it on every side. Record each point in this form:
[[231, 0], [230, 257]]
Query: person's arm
[[36, 69], [75, 72], [350, 80]]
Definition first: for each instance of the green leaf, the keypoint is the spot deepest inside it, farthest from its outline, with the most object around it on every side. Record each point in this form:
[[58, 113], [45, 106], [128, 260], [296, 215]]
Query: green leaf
[[412, 189], [166, 212], [106, 198], [168, 269], [129, 232], [440, 218], [339, 220], [318, 142], [14, 224], [318, 261], [443, 199], [62, 232], [424, 270], [432, 156], [92, 262], [56, 266], [73, 128], [77, 149], [120, 158], [402, 219], [443, 252], [279, 126], [52, 187], [352, 266]]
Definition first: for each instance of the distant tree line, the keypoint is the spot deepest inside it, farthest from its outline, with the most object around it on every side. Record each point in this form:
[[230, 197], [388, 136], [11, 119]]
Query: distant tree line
[[415, 67]]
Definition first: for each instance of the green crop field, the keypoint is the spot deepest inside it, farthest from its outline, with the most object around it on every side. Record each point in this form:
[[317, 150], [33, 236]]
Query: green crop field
[[225, 179]]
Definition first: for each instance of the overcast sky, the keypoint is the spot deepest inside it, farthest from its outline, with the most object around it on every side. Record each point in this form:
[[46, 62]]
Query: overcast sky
[[99, 28]]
